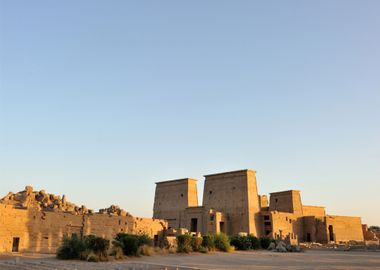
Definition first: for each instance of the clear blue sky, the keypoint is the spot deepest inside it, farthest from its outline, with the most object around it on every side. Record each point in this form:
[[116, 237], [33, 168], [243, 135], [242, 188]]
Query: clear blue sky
[[100, 99]]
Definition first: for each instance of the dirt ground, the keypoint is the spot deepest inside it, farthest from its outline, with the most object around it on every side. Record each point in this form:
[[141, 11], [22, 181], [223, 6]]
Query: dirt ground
[[311, 259]]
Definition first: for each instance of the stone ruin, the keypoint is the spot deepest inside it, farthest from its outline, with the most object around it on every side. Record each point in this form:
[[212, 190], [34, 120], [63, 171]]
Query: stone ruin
[[114, 210], [36, 221], [42, 201], [49, 202]]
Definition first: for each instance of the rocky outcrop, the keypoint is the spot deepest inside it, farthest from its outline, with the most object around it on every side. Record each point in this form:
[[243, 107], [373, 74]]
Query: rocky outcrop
[[114, 210], [43, 201]]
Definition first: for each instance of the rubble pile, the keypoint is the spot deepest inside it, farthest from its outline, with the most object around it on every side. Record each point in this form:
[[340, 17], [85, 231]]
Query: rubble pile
[[114, 210], [281, 246], [43, 201]]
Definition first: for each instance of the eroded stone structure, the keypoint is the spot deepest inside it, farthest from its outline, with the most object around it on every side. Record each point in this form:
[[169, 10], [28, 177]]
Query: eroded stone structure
[[33, 221], [231, 204]]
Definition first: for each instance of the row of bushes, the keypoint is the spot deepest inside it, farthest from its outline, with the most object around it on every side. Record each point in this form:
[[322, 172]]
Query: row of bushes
[[247, 242], [93, 248], [210, 242]]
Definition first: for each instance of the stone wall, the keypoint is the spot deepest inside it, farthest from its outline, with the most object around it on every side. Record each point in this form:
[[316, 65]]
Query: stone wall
[[345, 228], [310, 223], [311, 210], [207, 220], [286, 201], [286, 225], [234, 194], [172, 198], [43, 231]]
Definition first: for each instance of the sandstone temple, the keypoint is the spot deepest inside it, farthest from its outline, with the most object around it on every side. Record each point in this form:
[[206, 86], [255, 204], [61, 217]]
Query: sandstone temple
[[231, 204], [35, 221]]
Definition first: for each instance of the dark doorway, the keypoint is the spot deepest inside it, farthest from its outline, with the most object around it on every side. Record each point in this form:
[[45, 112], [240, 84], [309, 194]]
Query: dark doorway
[[308, 237], [194, 225], [331, 233], [15, 244], [221, 226]]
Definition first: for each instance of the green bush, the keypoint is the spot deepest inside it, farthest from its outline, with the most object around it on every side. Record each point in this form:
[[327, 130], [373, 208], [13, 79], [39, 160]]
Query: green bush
[[196, 243], [89, 247], [222, 242], [144, 240], [71, 248], [255, 242], [130, 243], [97, 245], [265, 242], [241, 242], [184, 243], [209, 242]]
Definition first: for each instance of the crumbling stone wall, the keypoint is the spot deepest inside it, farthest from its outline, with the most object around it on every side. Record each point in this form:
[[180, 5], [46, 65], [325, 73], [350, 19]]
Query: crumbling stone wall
[[42, 201], [42, 232], [368, 234], [41, 223]]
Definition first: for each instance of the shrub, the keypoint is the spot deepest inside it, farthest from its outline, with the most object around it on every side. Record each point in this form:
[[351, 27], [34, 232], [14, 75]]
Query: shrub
[[184, 243], [222, 242], [92, 257], [203, 249], [172, 250], [250, 242], [145, 250], [89, 247], [265, 242], [71, 248], [241, 242], [117, 251], [254, 242], [209, 242], [144, 240], [98, 246], [196, 243], [130, 243]]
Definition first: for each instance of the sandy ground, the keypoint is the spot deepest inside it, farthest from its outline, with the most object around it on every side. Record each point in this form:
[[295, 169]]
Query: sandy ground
[[311, 259]]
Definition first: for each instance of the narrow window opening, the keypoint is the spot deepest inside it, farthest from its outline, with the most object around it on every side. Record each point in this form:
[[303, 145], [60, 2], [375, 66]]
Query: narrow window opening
[[15, 244], [194, 225]]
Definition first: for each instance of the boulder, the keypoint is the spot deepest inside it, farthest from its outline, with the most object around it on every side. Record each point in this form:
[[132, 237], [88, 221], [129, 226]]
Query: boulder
[[29, 190], [281, 247], [272, 246]]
